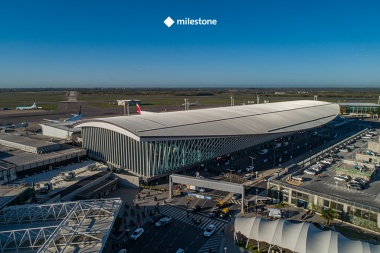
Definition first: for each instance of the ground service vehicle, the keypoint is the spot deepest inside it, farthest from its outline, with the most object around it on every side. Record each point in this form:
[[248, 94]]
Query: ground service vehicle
[[221, 204], [224, 212]]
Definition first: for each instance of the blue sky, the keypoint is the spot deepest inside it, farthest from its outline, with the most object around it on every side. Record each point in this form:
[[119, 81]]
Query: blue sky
[[125, 44]]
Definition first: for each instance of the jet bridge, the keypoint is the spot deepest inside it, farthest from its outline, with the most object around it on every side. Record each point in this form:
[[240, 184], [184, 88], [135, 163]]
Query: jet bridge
[[207, 183]]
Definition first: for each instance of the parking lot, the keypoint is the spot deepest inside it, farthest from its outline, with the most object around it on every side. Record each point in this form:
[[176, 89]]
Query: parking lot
[[325, 183]]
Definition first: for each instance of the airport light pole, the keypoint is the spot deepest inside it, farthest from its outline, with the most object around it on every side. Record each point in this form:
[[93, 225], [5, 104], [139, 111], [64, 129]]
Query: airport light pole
[[186, 104], [252, 157]]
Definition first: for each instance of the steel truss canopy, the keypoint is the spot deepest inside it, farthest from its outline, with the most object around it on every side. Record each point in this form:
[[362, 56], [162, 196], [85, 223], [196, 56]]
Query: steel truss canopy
[[299, 237], [260, 119], [207, 183], [81, 226]]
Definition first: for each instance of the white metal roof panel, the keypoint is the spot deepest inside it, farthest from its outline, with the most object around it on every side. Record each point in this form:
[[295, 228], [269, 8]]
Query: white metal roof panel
[[226, 121]]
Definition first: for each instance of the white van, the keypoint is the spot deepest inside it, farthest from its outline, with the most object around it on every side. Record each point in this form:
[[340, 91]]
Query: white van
[[274, 212]]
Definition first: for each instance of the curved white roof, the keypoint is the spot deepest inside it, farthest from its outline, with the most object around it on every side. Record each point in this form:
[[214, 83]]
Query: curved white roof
[[220, 122], [299, 237]]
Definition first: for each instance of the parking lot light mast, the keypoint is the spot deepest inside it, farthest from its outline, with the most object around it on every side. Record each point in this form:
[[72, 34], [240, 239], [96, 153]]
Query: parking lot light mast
[[225, 249], [252, 157], [230, 173], [274, 157]]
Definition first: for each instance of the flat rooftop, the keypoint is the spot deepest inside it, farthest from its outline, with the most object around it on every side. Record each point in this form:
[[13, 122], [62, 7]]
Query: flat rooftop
[[63, 126], [4, 137], [10, 192], [51, 174], [19, 157]]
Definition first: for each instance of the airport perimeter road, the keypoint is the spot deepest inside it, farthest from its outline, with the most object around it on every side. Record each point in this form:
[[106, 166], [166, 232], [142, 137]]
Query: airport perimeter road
[[182, 232]]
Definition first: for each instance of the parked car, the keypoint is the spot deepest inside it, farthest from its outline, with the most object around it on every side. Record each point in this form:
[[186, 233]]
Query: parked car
[[156, 218], [250, 168], [310, 172], [180, 251], [326, 162], [209, 230], [359, 180], [163, 221], [354, 186], [263, 151], [137, 234], [236, 196], [298, 177], [202, 190], [315, 168], [247, 176], [285, 143], [345, 177], [340, 178], [343, 150]]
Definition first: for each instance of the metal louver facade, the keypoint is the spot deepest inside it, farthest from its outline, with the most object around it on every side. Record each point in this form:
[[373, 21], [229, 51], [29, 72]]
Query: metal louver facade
[[157, 157]]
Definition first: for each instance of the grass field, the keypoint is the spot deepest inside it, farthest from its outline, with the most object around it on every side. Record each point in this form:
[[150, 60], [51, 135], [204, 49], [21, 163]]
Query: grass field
[[175, 97], [48, 98], [107, 101]]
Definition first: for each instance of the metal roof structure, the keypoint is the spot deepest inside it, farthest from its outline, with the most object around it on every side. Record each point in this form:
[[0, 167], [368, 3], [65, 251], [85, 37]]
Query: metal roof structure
[[81, 226], [246, 120], [299, 237]]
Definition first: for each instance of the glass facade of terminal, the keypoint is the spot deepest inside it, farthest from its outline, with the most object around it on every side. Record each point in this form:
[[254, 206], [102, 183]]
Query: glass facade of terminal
[[157, 157]]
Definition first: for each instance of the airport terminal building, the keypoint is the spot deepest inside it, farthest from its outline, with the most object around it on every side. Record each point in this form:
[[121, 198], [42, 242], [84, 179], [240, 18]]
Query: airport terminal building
[[154, 145]]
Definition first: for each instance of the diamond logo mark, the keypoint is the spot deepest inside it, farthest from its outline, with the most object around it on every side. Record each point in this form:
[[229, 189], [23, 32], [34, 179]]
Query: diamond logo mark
[[169, 22]]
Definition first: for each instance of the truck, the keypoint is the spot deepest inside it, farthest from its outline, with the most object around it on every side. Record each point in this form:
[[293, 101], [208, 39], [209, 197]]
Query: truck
[[274, 212], [195, 188]]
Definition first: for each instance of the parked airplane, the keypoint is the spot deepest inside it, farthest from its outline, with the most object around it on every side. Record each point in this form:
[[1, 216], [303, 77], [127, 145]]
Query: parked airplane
[[191, 104], [34, 106], [75, 116]]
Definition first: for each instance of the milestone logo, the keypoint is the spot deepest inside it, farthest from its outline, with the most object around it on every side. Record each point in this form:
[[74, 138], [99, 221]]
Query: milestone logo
[[188, 21]]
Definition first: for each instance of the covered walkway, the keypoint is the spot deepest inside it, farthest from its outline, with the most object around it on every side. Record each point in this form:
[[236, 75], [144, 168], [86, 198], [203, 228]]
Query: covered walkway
[[299, 237]]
